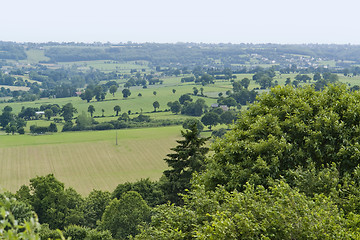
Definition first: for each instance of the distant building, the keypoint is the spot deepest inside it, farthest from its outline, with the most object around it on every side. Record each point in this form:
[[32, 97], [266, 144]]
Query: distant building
[[214, 105], [40, 113]]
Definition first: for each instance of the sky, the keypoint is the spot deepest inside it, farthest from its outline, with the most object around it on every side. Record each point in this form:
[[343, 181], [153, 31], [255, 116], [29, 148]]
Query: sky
[[171, 21]]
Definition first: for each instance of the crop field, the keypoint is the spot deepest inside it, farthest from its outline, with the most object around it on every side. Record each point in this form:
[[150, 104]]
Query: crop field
[[86, 160]]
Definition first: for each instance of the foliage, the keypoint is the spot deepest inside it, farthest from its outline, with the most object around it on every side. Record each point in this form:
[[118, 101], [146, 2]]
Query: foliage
[[149, 191], [13, 224], [286, 129], [191, 121], [219, 133], [126, 93], [67, 112], [279, 212], [94, 207], [117, 109], [188, 158], [52, 203], [175, 107], [210, 119], [156, 105], [121, 217]]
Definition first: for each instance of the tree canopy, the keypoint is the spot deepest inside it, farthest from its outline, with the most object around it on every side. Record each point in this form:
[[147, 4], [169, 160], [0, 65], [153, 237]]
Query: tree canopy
[[289, 128]]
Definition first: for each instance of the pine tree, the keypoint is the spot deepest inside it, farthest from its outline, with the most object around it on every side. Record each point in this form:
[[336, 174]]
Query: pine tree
[[188, 158]]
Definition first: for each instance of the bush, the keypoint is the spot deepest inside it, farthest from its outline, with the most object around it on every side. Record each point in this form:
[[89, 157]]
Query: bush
[[104, 126], [75, 232]]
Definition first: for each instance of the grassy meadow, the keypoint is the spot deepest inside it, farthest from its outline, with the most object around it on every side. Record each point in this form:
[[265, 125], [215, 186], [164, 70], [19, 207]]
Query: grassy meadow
[[86, 160]]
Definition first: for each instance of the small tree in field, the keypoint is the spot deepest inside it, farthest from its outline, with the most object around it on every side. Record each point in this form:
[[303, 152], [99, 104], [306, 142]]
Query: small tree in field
[[91, 110], [156, 105], [113, 90], [126, 93], [117, 109]]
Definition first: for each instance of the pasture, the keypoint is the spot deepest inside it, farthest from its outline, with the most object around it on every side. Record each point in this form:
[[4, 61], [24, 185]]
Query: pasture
[[86, 160]]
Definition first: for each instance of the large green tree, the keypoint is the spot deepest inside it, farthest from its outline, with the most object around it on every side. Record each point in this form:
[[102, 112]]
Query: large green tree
[[67, 111], [52, 203], [126, 93], [113, 89], [286, 129], [122, 217], [210, 119]]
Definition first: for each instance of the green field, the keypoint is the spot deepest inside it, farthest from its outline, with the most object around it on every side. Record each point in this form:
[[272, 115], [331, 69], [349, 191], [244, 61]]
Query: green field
[[86, 160]]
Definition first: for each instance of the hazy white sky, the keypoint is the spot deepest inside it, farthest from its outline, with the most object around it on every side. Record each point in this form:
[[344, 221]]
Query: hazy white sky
[[235, 21]]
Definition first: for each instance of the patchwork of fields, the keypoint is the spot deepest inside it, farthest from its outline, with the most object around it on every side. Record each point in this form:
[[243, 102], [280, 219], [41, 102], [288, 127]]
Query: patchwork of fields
[[86, 160]]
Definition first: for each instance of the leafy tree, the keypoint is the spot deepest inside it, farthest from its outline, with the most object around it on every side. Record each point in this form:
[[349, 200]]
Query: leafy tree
[[185, 97], [103, 111], [156, 105], [94, 207], [188, 158], [99, 93], [83, 121], [121, 217], [149, 191], [113, 90], [56, 109], [154, 92], [175, 107], [48, 113], [194, 109], [245, 82], [174, 90], [286, 129], [125, 117], [126, 93], [67, 111], [27, 113], [5, 118], [195, 91], [87, 95], [52, 203], [218, 133], [189, 122], [210, 119], [228, 117], [91, 110], [117, 109], [279, 212]]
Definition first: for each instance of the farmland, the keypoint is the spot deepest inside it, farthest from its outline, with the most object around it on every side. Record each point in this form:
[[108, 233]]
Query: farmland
[[66, 154], [86, 160]]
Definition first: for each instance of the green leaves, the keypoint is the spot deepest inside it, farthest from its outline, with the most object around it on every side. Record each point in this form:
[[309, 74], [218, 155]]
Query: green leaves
[[289, 128]]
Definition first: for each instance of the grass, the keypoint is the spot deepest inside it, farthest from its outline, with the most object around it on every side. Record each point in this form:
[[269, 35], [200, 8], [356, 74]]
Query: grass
[[86, 160]]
